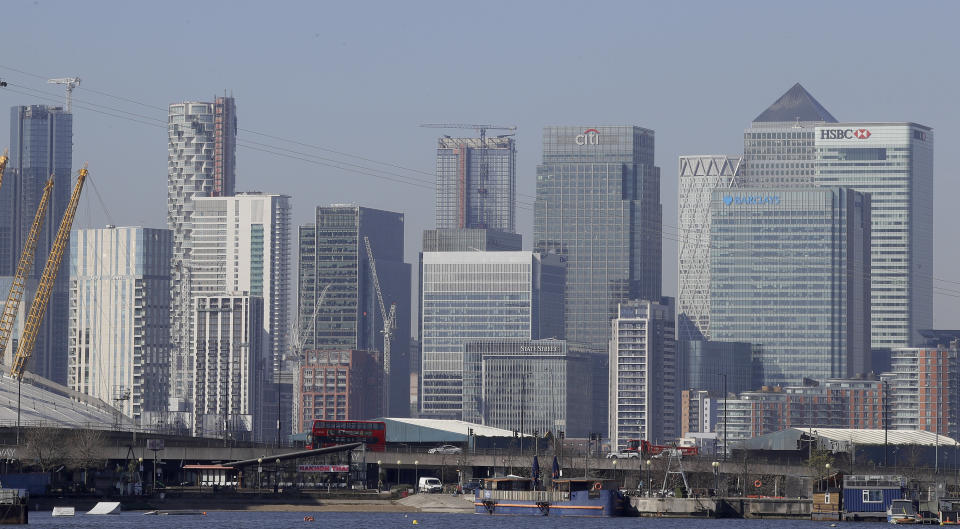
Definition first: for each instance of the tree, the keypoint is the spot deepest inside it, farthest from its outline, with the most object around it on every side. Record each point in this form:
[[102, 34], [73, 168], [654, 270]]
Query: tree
[[45, 447], [86, 450]]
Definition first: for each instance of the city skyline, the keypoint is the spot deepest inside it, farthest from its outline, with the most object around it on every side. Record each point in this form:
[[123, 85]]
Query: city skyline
[[355, 111]]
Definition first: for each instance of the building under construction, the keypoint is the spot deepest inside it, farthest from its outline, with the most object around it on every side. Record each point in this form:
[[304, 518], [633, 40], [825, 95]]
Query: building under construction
[[476, 183]]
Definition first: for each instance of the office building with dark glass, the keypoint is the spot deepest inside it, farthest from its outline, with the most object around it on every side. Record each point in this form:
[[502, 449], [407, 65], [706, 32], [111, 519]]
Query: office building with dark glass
[[598, 207], [476, 183], [333, 254], [41, 147], [790, 271]]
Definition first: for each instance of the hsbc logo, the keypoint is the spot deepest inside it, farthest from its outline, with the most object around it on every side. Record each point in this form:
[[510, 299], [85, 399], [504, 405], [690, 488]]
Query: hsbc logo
[[589, 137], [844, 134]]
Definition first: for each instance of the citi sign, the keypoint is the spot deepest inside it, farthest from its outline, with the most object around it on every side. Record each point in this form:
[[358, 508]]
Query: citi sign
[[589, 137], [740, 200], [844, 134]]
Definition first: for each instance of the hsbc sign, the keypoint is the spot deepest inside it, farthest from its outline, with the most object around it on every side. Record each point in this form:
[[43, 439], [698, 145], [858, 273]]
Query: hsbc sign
[[844, 134]]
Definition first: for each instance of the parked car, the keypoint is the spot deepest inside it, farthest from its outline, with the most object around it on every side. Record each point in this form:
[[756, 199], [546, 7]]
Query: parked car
[[471, 486], [430, 485], [623, 455], [445, 449]]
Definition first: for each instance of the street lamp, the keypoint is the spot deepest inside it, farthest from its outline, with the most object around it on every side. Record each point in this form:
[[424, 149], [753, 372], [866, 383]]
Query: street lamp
[[379, 475], [398, 472], [827, 485], [716, 478], [259, 473], [416, 474], [649, 478], [615, 471], [276, 487]]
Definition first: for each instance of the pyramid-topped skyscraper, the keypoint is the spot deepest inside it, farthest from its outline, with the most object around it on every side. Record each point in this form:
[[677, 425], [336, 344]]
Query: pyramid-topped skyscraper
[[778, 146], [795, 105]]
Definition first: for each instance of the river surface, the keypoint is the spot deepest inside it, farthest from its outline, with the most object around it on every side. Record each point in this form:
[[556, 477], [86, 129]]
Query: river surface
[[361, 520]]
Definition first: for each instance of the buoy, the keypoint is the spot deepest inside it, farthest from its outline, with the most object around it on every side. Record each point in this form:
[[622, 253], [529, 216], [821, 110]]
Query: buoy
[[204, 513], [308, 518], [758, 483], [415, 522]]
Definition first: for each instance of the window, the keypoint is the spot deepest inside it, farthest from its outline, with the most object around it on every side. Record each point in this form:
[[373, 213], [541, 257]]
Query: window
[[872, 496]]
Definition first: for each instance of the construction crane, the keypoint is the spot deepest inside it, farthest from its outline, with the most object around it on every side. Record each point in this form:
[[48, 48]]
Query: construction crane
[[10, 309], [71, 83], [462, 186], [3, 165], [299, 338], [29, 337], [389, 323]]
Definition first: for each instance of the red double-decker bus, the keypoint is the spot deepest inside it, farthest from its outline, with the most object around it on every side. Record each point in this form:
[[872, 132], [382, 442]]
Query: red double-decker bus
[[331, 433]]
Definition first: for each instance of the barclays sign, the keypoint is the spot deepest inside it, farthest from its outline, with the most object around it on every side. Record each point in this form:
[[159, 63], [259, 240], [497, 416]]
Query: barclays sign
[[759, 200]]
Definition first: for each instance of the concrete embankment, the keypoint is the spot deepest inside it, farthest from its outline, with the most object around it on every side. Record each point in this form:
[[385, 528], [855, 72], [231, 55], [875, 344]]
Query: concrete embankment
[[439, 503], [723, 507]]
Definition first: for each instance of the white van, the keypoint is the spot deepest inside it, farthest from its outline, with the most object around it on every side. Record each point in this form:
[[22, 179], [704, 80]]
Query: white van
[[430, 485]]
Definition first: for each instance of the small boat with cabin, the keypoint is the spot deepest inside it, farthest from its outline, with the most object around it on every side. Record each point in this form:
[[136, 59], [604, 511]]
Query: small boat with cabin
[[903, 512], [566, 497]]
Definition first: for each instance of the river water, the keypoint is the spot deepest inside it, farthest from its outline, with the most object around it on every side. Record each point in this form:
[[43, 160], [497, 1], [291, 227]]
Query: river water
[[361, 520]]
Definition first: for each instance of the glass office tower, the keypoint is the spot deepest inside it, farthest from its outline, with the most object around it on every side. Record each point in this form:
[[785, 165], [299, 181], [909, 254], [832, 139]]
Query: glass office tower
[[598, 207], [471, 296], [894, 163], [476, 183], [790, 271], [41, 147], [332, 253]]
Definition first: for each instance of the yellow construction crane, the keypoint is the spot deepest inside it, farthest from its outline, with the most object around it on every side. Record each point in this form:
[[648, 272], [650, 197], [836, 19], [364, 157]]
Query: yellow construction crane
[[3, 165], [9, 314], [39, 307]]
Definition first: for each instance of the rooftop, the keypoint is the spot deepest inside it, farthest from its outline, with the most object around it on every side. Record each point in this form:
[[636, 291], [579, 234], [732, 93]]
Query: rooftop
[[795, 105]]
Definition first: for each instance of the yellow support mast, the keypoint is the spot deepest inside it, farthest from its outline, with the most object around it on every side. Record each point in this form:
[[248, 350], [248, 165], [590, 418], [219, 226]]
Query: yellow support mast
[[40, 301], [9, 314], [3, 165]]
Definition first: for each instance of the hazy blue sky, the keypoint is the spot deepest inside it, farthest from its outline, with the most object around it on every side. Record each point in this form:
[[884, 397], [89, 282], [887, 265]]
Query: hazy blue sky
[[358, 77]]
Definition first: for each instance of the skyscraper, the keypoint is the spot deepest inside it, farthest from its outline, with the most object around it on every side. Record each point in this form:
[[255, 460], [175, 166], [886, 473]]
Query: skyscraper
[[893, 162], [41, 147], [120, 318], [790, 271], [333, 254], [598, 207], [778, 147], [700, 176], [470, 296], [242, 244], [201, 162], [476, 183]]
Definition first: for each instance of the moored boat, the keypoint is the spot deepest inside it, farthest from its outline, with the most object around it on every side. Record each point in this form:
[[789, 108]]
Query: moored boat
[[903, 512], [567, 497]]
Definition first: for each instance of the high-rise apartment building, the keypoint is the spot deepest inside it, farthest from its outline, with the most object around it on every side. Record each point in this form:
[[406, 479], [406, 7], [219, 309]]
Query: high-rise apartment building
[[700, 176], [471, 296], [119, 331], [779, 145], [717, 367], [924, 385], [228, 332], [476, 183], [790, 271], [333, 254], [598, 206], [242, 244], [528, 385], [201, 162], [643, 392], [41, 147], [893, 162]]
